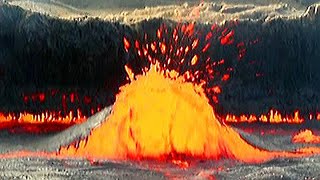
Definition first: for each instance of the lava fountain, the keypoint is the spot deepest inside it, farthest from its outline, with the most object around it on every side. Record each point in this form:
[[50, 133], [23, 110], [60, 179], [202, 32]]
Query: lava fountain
[[157, 117], [164, 114]]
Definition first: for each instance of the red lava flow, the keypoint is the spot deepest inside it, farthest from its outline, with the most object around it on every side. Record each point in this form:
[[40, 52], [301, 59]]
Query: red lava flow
[[306, 136]]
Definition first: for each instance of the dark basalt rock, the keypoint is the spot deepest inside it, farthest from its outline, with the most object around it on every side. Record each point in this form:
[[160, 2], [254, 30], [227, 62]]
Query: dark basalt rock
[[38, 52]]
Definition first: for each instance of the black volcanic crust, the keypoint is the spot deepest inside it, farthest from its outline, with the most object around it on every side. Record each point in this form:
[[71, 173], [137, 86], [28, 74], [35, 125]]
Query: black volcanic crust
[[38, 52]]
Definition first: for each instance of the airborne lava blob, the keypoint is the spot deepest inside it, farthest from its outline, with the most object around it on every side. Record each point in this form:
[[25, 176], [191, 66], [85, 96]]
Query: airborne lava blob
[[157, 117]]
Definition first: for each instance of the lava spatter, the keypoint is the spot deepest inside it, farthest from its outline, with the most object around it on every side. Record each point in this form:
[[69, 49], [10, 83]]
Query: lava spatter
[[160, 118], [156, 117], [165, 112], [306, 136]]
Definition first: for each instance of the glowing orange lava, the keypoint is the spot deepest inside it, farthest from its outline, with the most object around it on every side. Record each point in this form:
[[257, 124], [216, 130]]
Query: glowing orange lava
[[165, 114], [156, 117], [44, 122], [273, 117], [306, 136]]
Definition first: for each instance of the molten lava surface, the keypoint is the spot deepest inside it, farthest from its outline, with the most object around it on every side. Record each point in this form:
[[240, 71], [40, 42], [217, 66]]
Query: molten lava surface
[[42, 123], [306, 136], [159, 118], [273, 117], [166, 113]]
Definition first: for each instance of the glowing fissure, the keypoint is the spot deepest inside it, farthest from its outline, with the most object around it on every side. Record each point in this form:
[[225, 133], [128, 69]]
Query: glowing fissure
[[43, 118], [39, 123], [272, 117], [47, 118]]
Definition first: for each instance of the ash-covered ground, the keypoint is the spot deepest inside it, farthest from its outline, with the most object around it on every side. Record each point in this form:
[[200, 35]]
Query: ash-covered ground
[[76, 46]]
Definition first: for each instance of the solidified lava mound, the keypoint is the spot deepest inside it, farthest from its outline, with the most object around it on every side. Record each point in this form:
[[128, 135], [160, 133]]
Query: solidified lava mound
[[39, 52]]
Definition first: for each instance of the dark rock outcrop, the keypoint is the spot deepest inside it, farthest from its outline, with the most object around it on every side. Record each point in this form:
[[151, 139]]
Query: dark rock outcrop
[[38, 52]]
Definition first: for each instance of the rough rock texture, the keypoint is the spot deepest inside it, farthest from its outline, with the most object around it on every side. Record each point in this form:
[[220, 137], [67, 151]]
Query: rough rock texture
[[39, 52], [287, 56], [36, 168], [51, 142]]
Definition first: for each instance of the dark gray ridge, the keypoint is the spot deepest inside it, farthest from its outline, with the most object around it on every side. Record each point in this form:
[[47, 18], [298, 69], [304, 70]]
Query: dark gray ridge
[[75, 133], [273, 142], [52, 142]]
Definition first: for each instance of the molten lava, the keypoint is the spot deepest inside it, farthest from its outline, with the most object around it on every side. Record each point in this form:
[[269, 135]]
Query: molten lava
[[165, 113], [160, 118], [306, 136], [45, 122], [273, 117], [156, 117]]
